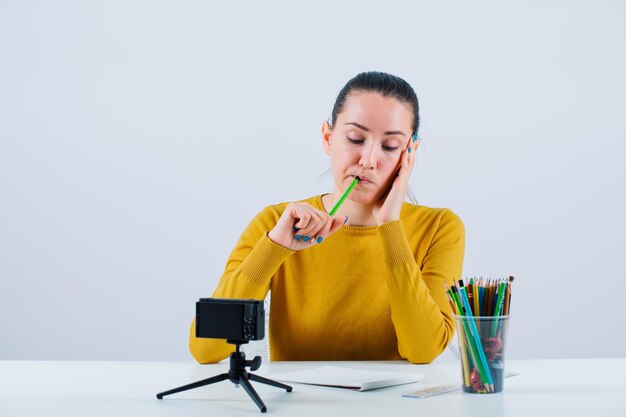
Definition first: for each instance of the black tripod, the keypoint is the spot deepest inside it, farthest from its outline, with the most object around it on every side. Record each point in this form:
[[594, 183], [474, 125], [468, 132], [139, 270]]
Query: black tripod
[[237, 374]]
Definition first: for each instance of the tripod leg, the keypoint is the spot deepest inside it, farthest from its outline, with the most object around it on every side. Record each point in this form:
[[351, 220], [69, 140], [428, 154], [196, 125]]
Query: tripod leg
[[202, 383], [245, 383], [269, 382]]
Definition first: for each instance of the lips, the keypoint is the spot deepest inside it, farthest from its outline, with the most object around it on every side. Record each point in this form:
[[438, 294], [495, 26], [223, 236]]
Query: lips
[[362, 179]]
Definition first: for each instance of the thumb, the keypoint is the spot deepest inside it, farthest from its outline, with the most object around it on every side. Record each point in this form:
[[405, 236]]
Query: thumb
[[337, 223]]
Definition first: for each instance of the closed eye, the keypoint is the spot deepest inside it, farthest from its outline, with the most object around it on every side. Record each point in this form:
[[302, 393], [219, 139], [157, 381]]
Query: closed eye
[[360, 141]]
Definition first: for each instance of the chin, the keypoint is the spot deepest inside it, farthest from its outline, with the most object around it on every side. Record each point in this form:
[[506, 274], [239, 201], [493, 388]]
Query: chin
[[364, 197]]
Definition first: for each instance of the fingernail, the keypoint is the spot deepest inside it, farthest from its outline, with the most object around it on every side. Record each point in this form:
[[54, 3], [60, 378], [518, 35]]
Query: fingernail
[[344, 222], [409, 149], [306, 238], [295, 228], [297, 237], [414, 137], [319, 239]]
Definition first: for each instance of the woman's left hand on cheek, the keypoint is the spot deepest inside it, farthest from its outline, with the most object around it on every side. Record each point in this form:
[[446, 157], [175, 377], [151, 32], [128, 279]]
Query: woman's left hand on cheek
[[389, 205]]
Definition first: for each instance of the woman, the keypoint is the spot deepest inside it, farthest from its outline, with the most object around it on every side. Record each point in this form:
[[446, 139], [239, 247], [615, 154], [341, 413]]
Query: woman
[[368, 284]]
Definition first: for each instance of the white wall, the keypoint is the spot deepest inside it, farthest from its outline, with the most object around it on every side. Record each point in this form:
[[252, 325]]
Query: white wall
[[138, 138]]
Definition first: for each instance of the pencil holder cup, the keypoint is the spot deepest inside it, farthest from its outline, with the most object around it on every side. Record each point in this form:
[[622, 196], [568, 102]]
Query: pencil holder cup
[[482, 342]]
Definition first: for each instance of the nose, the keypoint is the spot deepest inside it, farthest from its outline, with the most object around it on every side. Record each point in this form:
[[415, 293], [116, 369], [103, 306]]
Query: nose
[[369, 157]]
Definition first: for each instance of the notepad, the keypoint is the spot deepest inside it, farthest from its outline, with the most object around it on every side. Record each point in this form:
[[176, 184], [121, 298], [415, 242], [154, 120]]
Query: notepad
[[354, 379]]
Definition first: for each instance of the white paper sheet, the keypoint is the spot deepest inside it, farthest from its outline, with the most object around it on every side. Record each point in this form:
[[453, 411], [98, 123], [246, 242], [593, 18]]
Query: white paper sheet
[[333, 376]]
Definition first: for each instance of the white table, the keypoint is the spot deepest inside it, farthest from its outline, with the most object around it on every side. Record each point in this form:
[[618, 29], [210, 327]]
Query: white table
[[584, 387]]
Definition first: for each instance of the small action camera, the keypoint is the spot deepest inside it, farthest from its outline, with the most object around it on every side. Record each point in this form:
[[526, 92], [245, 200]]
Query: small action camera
[[231, 319], [237, 321]]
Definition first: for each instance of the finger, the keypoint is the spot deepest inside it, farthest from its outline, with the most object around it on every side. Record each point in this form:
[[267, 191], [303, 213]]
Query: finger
[[402, 167], [312, 226], [315, 231], [407, 164], [302, 215], [412, 155], [324, 231]]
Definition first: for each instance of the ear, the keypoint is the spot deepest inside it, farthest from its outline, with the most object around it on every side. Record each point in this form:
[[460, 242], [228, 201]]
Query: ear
[[326, 137]]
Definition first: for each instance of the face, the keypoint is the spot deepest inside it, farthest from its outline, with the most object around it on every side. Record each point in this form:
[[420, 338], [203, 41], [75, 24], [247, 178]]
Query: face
[[368, 138]]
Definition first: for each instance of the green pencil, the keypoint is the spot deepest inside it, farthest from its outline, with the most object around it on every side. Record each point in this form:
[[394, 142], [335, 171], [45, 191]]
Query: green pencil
[[494, 324], [344, 196]]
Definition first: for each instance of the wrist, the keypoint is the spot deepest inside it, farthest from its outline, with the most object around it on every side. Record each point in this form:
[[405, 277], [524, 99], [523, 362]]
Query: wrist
[[275, 239], [382, 220], [272, 236], [380, 223], [387, 215]]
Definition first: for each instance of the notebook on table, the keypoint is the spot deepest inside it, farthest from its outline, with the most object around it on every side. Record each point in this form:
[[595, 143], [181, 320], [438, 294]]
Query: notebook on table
[[353, 379]]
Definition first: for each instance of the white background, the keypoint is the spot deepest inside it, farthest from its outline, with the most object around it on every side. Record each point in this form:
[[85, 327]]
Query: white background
[[138, 138]]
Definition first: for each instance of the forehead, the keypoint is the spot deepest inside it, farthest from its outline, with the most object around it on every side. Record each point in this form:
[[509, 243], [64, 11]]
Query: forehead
[[376, 112]]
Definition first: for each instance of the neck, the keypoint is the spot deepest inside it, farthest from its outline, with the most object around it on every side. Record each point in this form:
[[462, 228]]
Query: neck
[[358, 214]]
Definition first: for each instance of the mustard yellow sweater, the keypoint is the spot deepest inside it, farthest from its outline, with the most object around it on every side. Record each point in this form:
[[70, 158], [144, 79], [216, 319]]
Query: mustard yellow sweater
[[364, 293]]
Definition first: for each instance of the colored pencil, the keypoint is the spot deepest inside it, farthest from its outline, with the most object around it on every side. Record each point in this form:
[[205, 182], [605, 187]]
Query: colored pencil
[[472, 349], [463, 348], [476, 298], [482, 359], [344, 196], [494, 324]]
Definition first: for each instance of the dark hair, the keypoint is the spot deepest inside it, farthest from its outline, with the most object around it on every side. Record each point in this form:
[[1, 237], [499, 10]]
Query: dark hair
[[379, 82]]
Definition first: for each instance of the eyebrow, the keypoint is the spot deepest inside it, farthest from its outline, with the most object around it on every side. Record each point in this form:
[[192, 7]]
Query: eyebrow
[[391, 132]]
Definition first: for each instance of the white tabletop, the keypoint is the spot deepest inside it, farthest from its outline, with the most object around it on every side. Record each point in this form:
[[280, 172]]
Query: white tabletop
[[572, 387]]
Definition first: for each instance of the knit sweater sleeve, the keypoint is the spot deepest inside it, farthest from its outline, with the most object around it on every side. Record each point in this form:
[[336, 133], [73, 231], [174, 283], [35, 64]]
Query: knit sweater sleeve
[[248, 273], [421, 314]]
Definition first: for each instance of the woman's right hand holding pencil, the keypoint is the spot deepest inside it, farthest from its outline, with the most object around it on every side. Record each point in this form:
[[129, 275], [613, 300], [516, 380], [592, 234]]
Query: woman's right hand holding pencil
[[302, 225]]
